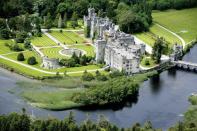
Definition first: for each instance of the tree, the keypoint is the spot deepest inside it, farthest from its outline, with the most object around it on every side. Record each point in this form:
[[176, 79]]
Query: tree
[[157, 50], [20, 57], [27, 44], [62, 8], [83, 60], [74, 21], [87, 76], [48, 21], [4, 34], [2, 24], [60, 23], [32, 60], [20, 37]]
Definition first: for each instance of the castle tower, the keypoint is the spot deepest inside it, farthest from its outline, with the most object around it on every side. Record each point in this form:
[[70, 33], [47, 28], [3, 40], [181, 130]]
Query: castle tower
[[100, 50], [91, 12]]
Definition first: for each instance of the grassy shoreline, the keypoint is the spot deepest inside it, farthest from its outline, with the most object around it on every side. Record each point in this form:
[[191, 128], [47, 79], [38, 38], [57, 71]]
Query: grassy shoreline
[[56, 95]]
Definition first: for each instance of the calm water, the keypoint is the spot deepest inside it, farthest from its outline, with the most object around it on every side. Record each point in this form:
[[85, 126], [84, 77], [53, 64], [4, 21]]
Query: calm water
[[162, 99]]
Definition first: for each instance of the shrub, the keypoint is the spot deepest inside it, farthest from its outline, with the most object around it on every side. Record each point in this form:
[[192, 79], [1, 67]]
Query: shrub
[[20, 37], [147, 62], [115, 74], [15, 47], [20, 57], [27, 44], [87, 76], [4, 34], [32, 60]]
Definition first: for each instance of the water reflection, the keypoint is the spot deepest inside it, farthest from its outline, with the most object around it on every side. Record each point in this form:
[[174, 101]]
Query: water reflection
[[155, 83], [172, 72]]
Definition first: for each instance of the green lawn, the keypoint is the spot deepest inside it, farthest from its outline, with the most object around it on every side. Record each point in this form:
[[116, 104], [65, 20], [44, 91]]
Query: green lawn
[[27, 54], [146, 37], [43, 41], [68, 37], [58, 99], [53, 52], [182, 22], [21, 69], [148, 62], [156, 31], [87, 48], [4, 49]]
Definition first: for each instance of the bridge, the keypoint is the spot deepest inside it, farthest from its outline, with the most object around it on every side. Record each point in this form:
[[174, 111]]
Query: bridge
[[186, 65]]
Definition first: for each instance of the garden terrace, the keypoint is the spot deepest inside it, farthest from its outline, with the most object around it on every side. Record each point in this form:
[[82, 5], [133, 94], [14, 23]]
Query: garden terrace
[[68, 37], [42, 41]]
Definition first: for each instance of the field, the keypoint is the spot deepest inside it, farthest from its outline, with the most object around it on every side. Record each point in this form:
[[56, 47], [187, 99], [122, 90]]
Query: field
[[181, 22], [4, 49], [68, 37], [42, 41]]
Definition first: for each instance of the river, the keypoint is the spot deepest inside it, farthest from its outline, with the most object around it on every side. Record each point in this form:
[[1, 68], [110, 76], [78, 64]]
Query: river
[[162, 99]]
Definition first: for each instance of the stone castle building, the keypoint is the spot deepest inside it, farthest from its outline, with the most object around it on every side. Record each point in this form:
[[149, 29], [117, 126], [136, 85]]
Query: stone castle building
[[117, 49], [177, 52], [50, 63]]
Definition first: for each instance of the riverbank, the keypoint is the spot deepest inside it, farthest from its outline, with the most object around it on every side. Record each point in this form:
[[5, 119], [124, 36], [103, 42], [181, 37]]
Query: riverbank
[[56, 95]]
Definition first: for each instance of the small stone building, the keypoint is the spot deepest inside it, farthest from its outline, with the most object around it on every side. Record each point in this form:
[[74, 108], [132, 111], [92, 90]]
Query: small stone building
[[50, 63]]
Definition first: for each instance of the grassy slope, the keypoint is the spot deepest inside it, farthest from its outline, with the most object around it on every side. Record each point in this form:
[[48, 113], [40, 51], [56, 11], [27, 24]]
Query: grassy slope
[[43, 41], [67, 37], [178, 21], [156, 31], [53, 52], [4, 49]]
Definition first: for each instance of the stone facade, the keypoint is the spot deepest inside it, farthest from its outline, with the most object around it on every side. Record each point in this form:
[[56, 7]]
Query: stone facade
[[50, 63], [117, 49], [177, 52]]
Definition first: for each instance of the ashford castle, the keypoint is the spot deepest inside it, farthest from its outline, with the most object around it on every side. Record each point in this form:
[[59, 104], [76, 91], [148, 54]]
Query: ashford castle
[[113, 47]]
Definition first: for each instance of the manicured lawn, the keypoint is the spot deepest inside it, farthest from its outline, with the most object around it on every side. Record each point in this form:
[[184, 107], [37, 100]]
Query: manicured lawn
[[146, 37], [67, 37], [148, 62], [22, 70], [81, 68], [182, 22], [156, 31], [4, 49], [26, 54], [43, 41], [53, 52], [87, 48]]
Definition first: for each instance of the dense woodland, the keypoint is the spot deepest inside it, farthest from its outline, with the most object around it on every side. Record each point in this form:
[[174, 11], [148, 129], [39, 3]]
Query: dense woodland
[[25, 16], [22, 122]]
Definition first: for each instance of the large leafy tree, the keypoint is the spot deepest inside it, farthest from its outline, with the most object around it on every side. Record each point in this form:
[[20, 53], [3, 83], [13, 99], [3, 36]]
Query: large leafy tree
[[158, 49]]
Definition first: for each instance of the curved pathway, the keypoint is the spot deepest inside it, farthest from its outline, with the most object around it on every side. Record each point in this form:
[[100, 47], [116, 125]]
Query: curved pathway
[[180, 38], [46, 72]]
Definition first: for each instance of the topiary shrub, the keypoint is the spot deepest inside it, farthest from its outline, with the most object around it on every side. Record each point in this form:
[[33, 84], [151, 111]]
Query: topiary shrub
[[20, 57], [32, 60]]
